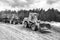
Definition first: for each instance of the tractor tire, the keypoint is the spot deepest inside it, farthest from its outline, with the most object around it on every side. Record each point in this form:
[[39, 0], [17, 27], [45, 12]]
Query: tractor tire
[[25, 24], [41, 31], [48, 26], [34, 27]]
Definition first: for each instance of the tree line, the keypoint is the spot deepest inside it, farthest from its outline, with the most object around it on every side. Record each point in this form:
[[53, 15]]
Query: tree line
[[49, 15]]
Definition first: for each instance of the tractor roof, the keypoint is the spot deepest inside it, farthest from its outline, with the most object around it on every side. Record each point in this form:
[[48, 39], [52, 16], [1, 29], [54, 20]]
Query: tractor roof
[[33, 14]]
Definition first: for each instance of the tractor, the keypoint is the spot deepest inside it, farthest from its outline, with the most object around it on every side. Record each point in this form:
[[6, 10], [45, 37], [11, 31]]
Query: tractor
[[33, 23]]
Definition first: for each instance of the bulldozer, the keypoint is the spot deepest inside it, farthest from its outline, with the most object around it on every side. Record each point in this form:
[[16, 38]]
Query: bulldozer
[[33, 23]]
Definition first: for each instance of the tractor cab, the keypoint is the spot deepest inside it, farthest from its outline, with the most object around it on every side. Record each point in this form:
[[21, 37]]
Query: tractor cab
[[33, 17]]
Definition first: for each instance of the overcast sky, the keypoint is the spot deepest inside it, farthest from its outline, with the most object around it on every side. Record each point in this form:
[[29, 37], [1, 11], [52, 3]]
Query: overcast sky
[[29, 4]]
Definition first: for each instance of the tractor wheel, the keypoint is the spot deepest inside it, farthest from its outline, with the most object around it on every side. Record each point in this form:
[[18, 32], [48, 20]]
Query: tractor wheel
[[48, 26], [25, 24], [34, 27], [41, 31]]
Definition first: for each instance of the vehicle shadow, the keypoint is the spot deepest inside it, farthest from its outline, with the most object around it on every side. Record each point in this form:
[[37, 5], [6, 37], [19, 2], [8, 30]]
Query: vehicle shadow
[[44, 32]]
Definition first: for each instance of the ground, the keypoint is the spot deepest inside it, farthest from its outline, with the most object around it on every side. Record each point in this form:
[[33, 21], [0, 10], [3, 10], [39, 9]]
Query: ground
[[17, 32]]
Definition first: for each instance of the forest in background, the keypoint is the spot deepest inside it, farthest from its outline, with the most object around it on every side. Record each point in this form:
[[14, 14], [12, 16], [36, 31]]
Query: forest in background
[[49, 15]]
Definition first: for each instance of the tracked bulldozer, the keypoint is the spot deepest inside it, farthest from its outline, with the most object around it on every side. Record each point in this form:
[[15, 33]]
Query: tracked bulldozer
[[33, 23]]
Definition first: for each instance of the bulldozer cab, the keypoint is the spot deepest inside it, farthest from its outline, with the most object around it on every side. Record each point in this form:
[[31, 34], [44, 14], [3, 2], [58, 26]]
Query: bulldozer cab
[[33, 17]]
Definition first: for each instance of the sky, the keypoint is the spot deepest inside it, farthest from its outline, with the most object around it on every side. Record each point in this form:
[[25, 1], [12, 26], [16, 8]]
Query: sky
[[29, 4]]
